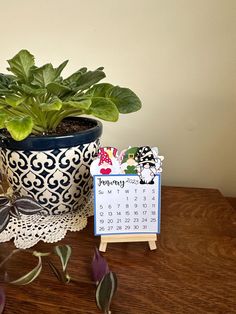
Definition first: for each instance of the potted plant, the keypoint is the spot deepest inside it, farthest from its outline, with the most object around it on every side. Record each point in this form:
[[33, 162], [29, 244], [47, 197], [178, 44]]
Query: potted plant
[[46, 146]]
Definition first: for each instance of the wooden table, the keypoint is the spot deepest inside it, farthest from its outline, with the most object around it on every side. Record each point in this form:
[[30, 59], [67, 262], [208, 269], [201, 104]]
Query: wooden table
[[193, 269]]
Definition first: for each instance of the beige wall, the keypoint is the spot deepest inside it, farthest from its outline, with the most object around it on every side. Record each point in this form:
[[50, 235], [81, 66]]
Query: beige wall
[[178, 55]]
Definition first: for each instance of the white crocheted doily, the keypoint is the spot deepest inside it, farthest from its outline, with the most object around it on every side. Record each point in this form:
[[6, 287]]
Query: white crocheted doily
[[29, 230]]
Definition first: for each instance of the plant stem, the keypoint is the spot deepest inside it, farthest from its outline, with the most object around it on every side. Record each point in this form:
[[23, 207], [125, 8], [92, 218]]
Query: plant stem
[[9, 256], [39, 113], [29, 112], [81, 281], [38, 129], [13, 252], [63, 115], [13, 113]]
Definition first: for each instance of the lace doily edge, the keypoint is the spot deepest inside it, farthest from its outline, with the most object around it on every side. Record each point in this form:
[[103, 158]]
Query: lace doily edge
[[20, 244]]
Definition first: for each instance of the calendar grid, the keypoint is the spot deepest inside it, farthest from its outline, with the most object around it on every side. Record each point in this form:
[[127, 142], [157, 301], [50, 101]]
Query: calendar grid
[[124, 206]]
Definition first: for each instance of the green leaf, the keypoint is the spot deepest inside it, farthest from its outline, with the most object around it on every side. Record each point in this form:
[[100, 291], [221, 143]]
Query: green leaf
[[64, 252], [31, 276], [21, 64], [3, 118], [104, 109], [4, 92], [89, 78], [70, 80], [60, 68], [58, 89], [34, 91], [6, 80], [20, 127], [99, 90], [14, 100], [37, 254], [82, 105], [125, 99], [2, 103], [56, 104], [61, 276], [105, 291], [44, 75]]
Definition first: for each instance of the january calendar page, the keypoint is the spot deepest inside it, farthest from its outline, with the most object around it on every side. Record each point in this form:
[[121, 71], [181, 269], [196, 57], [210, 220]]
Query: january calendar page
[[123, 205], [127, 191]]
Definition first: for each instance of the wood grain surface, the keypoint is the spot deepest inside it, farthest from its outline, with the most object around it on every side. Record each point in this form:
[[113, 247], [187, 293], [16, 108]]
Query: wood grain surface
[[193, 269], [232, 201]]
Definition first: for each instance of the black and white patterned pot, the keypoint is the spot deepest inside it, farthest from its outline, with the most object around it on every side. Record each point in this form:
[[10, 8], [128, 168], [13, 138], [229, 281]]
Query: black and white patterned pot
[[55, 170]]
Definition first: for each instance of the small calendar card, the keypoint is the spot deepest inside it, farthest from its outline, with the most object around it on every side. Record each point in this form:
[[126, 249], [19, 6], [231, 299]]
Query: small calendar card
[[122, 205], [127, 194]]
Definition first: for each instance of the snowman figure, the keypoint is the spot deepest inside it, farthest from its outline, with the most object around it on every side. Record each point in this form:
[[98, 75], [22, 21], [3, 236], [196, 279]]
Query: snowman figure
[[146, 167]]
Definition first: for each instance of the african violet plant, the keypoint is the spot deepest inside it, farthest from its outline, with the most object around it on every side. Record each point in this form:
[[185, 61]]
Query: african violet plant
[[104, 280], [34, 100]]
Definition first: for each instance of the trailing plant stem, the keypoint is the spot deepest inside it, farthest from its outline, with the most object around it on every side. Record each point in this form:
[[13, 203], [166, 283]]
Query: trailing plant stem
[[9, 256], [76, 281]]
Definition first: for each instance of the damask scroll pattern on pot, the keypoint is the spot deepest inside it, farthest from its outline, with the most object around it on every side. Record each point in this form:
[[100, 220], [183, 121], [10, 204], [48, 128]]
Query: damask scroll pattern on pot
[[59, 179]]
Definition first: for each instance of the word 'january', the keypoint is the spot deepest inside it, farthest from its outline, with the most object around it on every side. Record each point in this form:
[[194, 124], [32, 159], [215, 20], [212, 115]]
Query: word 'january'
[[102, 182]]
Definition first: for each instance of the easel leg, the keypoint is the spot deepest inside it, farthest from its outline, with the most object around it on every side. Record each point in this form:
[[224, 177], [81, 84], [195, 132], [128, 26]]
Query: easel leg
[[103, 246], [152, 245]]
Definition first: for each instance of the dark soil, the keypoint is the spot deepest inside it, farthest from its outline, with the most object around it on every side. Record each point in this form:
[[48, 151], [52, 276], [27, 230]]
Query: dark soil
[[71, 126], [65, 127]]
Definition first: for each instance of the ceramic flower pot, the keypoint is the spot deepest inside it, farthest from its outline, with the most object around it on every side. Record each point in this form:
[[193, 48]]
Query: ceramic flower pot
[[55, 170]]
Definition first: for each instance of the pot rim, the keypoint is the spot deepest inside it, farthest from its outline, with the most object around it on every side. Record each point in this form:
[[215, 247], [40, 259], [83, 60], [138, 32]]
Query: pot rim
[[49, 142]]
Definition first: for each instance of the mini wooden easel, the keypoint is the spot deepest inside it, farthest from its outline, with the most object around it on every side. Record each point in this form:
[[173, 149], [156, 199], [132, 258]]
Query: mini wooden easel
[[150, 238]]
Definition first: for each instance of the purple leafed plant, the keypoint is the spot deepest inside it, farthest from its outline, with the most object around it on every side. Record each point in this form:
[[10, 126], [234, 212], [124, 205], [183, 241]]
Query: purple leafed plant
[[14, 205], [2, 300], [105, 280], [99, 267]]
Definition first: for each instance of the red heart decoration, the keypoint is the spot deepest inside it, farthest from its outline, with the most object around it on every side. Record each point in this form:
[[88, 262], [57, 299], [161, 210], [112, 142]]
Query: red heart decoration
[[105, 171]]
